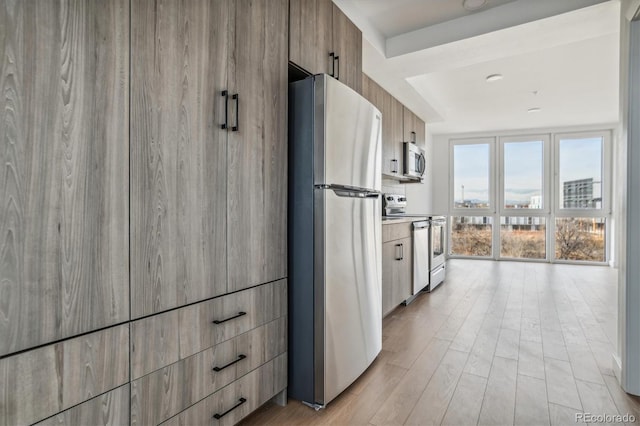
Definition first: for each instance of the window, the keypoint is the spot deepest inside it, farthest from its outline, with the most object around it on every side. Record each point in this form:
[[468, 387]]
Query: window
[[547, 197], [523, 175], [472, 175]]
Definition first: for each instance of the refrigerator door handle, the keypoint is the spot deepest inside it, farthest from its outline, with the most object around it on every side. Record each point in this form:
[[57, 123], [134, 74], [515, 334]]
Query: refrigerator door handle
[[355, 194]]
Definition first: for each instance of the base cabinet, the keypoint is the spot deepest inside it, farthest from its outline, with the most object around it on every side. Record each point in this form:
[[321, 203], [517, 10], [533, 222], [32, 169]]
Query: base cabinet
[[397, 265]]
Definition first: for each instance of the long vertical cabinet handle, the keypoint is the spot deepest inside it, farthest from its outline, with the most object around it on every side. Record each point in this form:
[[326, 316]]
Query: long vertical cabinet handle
[[225, 95], [338, 72], [413, 136], [236, 97], [394, 163], [332, 55]]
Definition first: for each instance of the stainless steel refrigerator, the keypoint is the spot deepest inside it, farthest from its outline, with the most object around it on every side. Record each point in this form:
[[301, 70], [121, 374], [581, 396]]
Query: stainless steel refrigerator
[[334, 238]]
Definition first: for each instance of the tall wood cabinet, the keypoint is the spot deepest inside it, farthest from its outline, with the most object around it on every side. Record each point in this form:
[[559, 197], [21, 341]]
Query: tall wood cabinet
[[64, 256], [143, 209], [323, 39], [208, 149]]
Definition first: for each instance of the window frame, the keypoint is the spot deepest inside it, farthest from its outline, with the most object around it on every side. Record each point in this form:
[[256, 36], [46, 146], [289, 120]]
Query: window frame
[[491, 187]]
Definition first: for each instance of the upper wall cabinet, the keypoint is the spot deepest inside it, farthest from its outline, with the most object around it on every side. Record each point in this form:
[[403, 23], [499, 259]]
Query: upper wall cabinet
[[323, 40], [392, 126], [414, 130], [64, 185], [208, 149]]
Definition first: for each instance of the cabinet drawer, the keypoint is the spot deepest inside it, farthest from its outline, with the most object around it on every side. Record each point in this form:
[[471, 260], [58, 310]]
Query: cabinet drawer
[[42, 382], [111, 408], [245, 394], [396, 231], [194, 378], [166, 338]]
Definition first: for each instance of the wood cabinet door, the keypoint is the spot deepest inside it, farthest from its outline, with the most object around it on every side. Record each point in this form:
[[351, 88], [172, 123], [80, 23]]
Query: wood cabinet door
[[257, 156], [178, 152], [420, 132], [396, 255], [397, 133], [347, 44], [64, 202], [311, 35], [409, 127]]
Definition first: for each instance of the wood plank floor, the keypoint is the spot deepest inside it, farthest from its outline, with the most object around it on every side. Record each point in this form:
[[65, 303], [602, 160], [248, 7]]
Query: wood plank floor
[[499, 343]]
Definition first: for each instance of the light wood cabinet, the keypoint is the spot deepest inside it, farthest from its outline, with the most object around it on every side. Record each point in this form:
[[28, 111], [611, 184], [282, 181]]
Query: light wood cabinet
[[109, 409], [414, 129], [257, 151], [392, 126], [42, 382], [162, 339], [204, 373], [397, 265], [208, 149], [347, 45], [63, 148], [323, 39], [232, 403], [311, 35]]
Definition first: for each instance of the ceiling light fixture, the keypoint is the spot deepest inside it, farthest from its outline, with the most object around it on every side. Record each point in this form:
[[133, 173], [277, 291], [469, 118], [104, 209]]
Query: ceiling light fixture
[[494, 77], [472, 5], [536, 109]]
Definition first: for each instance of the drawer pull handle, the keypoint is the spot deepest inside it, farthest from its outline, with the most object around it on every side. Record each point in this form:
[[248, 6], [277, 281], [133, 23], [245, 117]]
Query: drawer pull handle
[[240, 358], [230, 318], [240, 402]]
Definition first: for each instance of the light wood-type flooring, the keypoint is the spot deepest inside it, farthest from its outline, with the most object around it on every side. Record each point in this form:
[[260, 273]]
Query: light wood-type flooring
[[499, 343]]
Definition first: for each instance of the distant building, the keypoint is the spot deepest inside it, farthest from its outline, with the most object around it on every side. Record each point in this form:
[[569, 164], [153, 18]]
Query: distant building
[[536, 202], [581, 194]]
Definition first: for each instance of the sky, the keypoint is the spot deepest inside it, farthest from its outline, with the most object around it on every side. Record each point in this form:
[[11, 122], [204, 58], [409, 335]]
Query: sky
[[578, 159]]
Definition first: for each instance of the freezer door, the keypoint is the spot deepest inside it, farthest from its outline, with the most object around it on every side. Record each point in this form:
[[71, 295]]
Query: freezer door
[[352, 262], [348, 133]]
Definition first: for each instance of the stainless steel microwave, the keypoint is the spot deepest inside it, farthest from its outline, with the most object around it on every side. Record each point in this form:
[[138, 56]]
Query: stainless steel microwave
[[415, 163]]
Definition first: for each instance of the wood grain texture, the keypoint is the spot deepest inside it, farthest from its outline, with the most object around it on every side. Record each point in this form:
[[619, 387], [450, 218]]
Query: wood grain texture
[[178, 152], [396, 273], [397, 231], [347, 43], [257, 166], [40, 383], [163, 339], [109, 409], [397, 131], [164, 393], [256, 387], [311, 35], [64, 185]]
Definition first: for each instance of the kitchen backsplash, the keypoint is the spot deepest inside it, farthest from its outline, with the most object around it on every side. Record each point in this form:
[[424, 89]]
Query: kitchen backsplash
[[390, 186]]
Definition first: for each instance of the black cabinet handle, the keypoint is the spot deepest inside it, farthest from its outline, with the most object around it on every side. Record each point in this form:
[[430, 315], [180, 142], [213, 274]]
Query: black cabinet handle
[[230, 318], [401, 252], [413, 134], [338, 69], [236, 97], [240, 358], [394, 169], [332, 55], [225, 95], [240, 402]]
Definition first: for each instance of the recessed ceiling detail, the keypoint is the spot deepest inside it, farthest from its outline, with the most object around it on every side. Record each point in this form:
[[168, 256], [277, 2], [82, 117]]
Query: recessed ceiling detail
[[562, 57]]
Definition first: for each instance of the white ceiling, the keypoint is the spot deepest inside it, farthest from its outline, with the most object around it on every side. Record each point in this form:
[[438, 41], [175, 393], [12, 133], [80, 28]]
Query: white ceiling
[[397, 17], [570, 58]]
